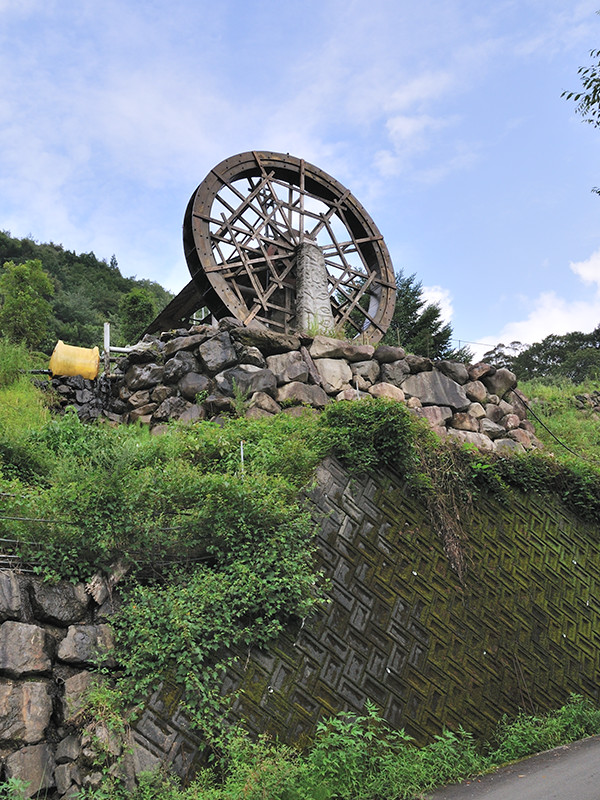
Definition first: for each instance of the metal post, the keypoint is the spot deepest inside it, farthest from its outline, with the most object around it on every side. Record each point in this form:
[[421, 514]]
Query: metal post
[[107, 348]]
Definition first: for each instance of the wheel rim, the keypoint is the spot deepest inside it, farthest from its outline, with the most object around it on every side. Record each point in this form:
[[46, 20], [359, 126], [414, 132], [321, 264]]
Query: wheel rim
[[244, 224]]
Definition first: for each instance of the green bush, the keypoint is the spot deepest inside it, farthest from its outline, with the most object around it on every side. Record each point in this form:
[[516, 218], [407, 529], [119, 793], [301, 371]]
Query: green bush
[[530, 733], [372, 434]]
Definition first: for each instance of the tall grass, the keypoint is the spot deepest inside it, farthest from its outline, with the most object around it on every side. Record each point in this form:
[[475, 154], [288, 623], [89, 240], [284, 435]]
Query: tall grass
[[554, 404], [23, 407]]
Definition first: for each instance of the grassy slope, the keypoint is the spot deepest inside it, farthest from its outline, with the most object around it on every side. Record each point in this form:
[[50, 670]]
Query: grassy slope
[[554, 405], [345, 762]]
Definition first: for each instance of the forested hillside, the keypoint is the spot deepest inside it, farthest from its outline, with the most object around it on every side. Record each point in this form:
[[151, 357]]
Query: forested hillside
[[87, 292]]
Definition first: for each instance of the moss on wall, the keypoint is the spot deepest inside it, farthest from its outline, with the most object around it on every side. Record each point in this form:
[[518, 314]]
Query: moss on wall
[[521, 631]]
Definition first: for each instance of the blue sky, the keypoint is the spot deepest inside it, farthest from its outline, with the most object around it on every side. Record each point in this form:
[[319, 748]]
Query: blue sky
[[443, 117]]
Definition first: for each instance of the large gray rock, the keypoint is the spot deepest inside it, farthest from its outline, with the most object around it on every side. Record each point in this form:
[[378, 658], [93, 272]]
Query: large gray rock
[[193, 384], [302, 393], [145, 352], [84, 396], [86, 644], [23, 649], [327, 347], [66, 776], [476, 410], [468, 437], [519, 406], [183, 343], [463, 421], [249, 355], [61, 604], [143, 413], [218, 353], [480, 370], [68, 749], [288, 367], [75, 691], [193, 413], [494, 413], [510, 422], [385, 354], [178, 366], [508, 447], [264, 402], [418, 363], [386, 390], [437, 416], [350, 394], [476, 391], [257, 413], [454, 370], [139, 398], [500, 382], [143, 376], [11, 603], [247, 378], [369, 370], [33, 765], [522, 436], [171, 408], [161, 392], [435, 389], [268, 342], [394, 372], [25, 711], [334, 373]]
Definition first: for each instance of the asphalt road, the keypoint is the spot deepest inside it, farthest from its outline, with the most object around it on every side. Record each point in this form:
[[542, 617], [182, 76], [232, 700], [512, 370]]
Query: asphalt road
[[571, 772]]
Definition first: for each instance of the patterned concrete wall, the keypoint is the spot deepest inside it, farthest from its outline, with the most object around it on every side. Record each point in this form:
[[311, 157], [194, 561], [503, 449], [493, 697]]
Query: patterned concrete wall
[[522, 631]]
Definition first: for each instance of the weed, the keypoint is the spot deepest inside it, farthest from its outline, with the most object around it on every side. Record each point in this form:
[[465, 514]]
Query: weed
[[240, 399]]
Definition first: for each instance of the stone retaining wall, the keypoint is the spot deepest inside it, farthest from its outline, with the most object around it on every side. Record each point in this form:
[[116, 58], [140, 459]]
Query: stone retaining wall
[[49, 637], [205, 372]]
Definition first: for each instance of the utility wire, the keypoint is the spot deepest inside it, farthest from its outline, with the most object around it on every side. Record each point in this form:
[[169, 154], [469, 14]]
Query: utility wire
[[546, 428]]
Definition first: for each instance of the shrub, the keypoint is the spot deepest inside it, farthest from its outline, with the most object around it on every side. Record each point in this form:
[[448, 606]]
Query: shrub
[[370, 434]]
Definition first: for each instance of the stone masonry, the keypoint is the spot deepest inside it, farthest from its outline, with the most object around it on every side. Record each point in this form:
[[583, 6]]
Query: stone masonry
[[207, 372]]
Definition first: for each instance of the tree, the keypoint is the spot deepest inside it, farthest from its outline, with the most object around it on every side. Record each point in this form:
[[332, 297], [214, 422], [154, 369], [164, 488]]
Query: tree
[[24, 307], [504, 355], [588, 100], [418, 327], [137, 310], [574, 355]]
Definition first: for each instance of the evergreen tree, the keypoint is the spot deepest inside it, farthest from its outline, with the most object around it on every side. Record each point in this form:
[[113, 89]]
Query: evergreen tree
[[417, 326]]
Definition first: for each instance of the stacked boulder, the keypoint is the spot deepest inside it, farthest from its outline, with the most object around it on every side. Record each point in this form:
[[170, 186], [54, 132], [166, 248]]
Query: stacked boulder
[[588, 401], [50, 635], [208, 371]]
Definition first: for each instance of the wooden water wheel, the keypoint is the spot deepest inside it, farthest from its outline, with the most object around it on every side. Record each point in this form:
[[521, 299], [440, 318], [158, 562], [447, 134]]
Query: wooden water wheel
[[242, 230]]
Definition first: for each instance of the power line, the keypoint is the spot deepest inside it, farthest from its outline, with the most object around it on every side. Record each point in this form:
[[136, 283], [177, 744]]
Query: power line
[[546, 428]]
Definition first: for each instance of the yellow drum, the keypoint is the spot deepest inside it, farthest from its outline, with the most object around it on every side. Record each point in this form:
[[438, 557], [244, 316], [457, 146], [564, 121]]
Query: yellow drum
[[69, 360]]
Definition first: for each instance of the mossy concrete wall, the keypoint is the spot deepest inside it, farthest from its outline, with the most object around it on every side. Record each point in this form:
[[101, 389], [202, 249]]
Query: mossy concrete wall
[[521, 631]]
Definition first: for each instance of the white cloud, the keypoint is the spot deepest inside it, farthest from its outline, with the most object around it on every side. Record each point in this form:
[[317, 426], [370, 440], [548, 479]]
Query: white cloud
[[443, 298], [549, 314], [588, 270], [420, 91]]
